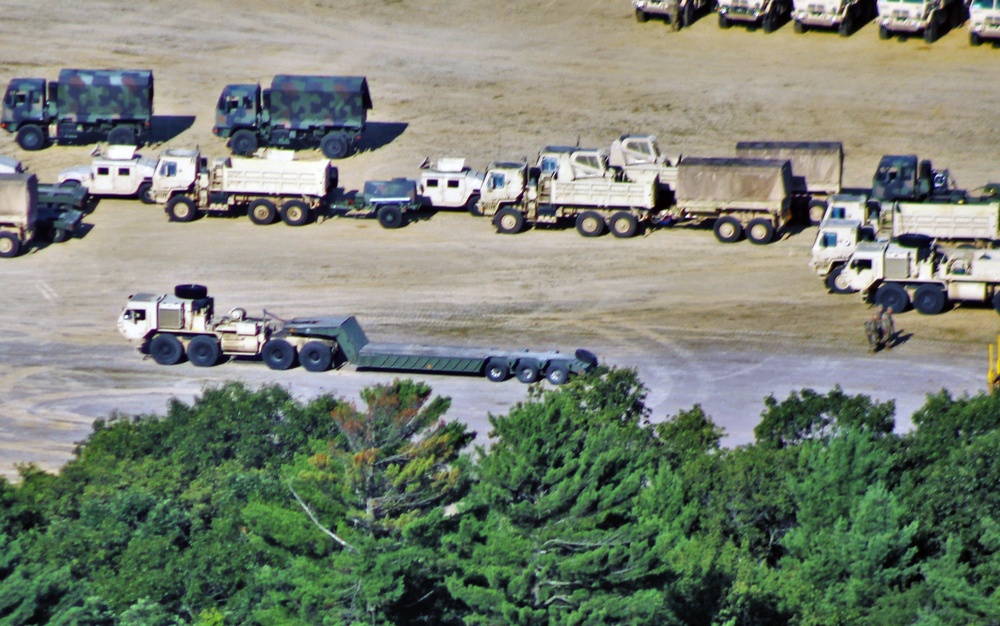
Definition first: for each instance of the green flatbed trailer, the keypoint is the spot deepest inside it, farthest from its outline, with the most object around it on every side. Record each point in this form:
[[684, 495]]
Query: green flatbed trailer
[[60, 210], [495, 363]]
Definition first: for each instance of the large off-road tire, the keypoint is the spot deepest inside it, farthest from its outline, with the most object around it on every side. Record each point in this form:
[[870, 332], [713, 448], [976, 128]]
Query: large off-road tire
[[166, 349], [243, 142], [760, 231], [799, 27], [334, 146], [316, 356], [496, 370], [724, 22], [590, 224], [817, 209], [278, 354], [390, 216], [975, 40], [640, 16], [203, 351], [526, 371], [31, 138], [892, 296], [688, 14], [295, 213], [10, 245], [929, 299], [181, 209], [145, 193], [122, 136], [623, 225], [190, 291], [508, 221], [883, 33], [931, 32], [846, 27], [996, 302], [262, 212], [70, 183], [728, 229], [557, 372], [770, 23], [835, 283]]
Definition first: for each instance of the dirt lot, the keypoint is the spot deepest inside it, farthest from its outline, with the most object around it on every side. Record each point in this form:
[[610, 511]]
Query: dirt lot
[[704, 323]]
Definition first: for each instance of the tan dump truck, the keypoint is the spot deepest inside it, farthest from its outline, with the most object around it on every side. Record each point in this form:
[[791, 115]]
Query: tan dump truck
[[817, 170], [264, 187], [929, 278]]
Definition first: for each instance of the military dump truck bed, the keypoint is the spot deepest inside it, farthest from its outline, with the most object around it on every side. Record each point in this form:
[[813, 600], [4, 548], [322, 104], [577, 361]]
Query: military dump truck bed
[[264, 176], [603, 192], [967, 221]]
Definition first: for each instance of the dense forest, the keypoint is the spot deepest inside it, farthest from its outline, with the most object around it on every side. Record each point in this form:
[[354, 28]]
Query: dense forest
[[249, 507]]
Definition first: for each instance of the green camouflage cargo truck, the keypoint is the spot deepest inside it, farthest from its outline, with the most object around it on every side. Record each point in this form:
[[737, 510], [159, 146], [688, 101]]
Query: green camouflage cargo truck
[[116, 105], [325, 111]]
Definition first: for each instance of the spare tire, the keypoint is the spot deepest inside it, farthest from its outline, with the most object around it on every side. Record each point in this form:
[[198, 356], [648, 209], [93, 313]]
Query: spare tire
[[587, 357], [191, 292]]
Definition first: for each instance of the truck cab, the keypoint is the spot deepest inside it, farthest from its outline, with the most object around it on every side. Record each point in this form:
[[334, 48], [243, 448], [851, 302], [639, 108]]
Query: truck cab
[[177, 170], [877, 261], [239, 107], [145, 314], [504, 183], [115, 171], [903, 177], [450, 184], [984, 21], [931, 17]]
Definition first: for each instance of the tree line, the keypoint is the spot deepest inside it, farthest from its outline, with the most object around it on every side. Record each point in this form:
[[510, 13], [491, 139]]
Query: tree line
[[249, 507]]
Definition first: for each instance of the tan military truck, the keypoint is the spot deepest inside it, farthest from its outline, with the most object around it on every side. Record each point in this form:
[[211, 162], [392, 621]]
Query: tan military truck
[[579, 186], [817, 170], [263, 187], [929, 278], [844, 15], [32, 212], [677, 13], [984, 21], [932, 18], [769, 14]]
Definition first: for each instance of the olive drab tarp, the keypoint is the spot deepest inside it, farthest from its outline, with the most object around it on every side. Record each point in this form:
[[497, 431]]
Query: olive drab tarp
[[817, 166], [88, 96], [302, 102], [728, 179]]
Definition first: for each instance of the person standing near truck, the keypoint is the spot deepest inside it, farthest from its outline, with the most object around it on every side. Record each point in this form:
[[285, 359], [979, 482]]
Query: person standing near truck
[[888, 327], [873, 332]]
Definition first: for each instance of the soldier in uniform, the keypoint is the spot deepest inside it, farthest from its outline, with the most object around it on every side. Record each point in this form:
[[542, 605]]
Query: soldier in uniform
[[888, 327], [873, 331]]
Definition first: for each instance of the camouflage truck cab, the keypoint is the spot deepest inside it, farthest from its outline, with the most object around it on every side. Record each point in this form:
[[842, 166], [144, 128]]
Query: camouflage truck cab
[[113, 104], [325, 111]]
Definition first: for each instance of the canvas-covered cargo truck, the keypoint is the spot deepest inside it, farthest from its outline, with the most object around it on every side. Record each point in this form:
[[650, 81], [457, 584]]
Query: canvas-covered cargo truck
[[742, 196], [932, 18], [264, 187], [817, 170], [579, 186], [170, 327], [844, 15], [29, 211], [325, 111], [116, 105]]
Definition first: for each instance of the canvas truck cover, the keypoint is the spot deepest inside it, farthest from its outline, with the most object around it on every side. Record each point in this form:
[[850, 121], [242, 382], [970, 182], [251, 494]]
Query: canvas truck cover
[[817, 166], [302, 102], [395, 190], [96, 95], [18, 199], [732, 179]]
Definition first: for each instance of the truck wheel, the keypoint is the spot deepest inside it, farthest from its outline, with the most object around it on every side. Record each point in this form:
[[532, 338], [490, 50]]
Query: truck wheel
[[316, 356], [892, 296], [883, 33], [190, 291], [278, 354], [295, 213], [166, 349], [835, 281], [760, 231], [846, 27], [334, 146], [262, 212], [929, 299], [496, 370], [817, 209], [121, 136], [145, 193], [31, 138], [590, 224], [769, 23], [640, 16], [728, 229], [557, 372], [508, 221], [526, 371], [724, 21], [800, 27], [181, 209], [390, 216], [975, 40], [931, 32], [243, 142], [623, 225], [10, 245], [996, 301], [203, 351], [688, 14]]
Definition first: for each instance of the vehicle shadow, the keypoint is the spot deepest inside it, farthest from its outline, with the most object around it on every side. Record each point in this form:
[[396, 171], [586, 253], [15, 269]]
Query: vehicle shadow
[[163, 128], [380, 134]]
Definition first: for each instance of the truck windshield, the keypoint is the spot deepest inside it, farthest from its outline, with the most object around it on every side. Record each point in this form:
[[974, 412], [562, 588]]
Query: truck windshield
[[982, 4]]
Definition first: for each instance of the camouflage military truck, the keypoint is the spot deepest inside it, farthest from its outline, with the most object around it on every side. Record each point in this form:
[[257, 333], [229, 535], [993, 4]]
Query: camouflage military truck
[[904, 177], [170, 327], [817, 170], [933, 18], [189, 186], [389, 201], [28, 213], [844, 15], [984, 21], [116, 105], [677, 13], [768, 13], [325, 111]]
